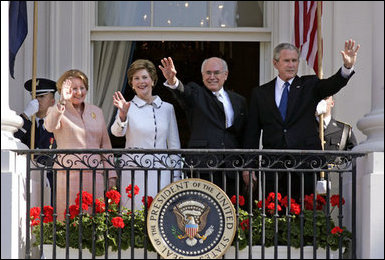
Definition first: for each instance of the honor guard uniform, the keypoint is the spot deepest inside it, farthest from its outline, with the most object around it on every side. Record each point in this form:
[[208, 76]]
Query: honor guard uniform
[[339, 136], [43, 138], [45, 97]]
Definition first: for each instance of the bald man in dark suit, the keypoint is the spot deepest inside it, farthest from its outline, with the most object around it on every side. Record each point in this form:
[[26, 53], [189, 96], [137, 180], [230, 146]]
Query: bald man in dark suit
[[217, 116]]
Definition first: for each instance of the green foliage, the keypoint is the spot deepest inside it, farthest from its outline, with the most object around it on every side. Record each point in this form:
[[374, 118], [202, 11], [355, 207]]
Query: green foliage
[[323, 236], [98, 228]]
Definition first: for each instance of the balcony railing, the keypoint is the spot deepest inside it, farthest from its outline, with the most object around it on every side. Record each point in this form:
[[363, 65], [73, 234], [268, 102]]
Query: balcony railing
[[191, 163]]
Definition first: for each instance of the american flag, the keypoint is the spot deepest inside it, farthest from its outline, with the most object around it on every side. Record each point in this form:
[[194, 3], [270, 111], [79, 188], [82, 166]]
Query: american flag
[[305, 31]]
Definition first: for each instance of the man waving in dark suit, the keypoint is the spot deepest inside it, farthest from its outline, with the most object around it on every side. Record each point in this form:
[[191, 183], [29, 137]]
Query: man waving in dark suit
[[217, 117], [284, 107]]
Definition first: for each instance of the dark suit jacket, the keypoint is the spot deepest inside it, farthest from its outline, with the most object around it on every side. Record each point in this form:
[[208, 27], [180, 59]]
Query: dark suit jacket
[[41, 142], [299, 130], [333, 136], [206, 117]]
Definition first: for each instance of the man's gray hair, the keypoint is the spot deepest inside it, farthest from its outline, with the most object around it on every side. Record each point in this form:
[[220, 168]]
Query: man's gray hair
[[224, 64], [283, 46]]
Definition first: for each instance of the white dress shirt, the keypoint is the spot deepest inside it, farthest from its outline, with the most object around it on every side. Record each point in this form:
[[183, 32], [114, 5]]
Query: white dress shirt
[[229, 111]]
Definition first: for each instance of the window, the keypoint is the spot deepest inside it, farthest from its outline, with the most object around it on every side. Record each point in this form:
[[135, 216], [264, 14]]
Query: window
[[211, 14]]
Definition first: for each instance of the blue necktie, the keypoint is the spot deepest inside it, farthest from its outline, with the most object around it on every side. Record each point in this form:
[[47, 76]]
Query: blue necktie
[[283, 102]]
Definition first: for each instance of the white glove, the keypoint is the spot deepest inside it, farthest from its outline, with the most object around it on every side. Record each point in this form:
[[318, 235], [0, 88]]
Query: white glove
[[321, 107], [32, 108]]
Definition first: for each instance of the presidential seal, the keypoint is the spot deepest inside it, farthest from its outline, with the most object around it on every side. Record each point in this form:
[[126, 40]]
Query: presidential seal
[[191, 218]]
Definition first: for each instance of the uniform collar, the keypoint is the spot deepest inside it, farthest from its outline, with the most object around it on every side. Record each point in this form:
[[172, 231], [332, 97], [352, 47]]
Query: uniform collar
[[327, 120]]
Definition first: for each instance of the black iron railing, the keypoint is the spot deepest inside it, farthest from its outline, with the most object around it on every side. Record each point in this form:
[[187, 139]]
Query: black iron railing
[[189, 163]]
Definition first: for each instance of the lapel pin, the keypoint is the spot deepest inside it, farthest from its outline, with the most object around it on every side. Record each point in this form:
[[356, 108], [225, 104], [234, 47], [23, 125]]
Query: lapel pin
[[298, 86], [93, 115]]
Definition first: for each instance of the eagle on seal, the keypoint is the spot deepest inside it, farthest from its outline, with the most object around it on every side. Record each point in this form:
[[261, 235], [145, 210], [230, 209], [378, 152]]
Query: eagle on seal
[[191, 221]]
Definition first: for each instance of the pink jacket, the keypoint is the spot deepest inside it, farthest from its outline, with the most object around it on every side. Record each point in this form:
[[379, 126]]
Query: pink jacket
[[75, 131]]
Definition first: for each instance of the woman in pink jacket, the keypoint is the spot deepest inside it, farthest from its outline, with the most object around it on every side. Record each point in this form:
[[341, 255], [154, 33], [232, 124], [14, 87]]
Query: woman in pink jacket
[[77, 125]]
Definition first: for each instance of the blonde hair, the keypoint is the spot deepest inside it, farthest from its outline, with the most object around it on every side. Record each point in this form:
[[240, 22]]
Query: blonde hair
[[71, 74], [142, 65]]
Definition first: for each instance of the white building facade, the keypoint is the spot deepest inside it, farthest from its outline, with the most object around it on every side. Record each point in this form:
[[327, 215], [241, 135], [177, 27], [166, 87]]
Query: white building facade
[[67, 33]]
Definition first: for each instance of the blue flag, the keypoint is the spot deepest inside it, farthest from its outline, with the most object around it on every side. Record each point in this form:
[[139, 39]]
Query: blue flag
[[18, 29]]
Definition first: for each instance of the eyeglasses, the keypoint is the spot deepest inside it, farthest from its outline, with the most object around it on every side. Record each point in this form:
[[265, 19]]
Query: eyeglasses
[[215, 73]]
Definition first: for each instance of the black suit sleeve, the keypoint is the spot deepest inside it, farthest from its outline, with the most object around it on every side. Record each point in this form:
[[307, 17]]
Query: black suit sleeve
[[330, 86], [253, 129]]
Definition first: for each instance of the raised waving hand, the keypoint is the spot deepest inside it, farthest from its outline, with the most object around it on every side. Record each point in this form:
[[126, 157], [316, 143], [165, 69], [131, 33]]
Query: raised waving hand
[[168, 70], [349, 55], [121, 104]]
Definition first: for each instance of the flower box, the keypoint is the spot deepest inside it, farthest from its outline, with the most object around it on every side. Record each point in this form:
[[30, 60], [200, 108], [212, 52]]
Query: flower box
[[86, 254], [230, 254], [282, 253]]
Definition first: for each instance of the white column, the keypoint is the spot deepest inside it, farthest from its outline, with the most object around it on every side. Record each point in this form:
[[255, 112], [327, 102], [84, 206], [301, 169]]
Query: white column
[[13, 209], [10, 121], [372, 124], [370, 169]]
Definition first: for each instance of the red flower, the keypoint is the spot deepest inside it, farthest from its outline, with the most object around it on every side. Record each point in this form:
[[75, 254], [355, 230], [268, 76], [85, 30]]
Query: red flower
[[241, 200], [149, 201], [117, 222], [271, 197], [129, 188], [320, 202], [99, 206], [284, 202], [271, 207], [74, 211], [34, 213], [114, 196], [245, 224], [335, 200], [336, 230], [34, 216], [35, 222], [86, 200], [295, 208], [48, 212]]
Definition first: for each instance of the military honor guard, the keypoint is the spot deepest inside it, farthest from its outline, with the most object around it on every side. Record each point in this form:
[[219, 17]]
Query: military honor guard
[[45, 98], [337, 134]]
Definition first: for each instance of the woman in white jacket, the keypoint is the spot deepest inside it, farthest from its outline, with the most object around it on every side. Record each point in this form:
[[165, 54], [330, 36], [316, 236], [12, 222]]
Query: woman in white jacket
[[147, 122]]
